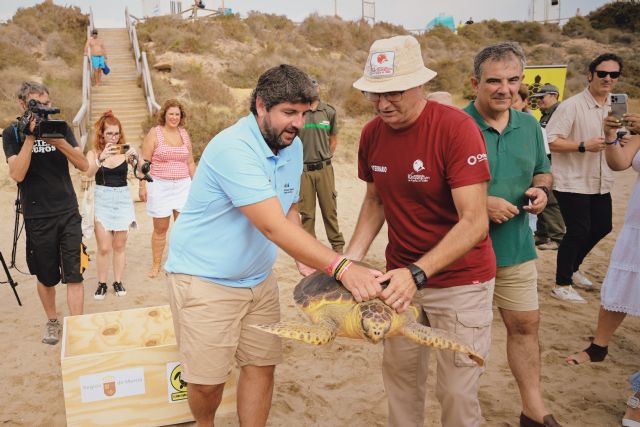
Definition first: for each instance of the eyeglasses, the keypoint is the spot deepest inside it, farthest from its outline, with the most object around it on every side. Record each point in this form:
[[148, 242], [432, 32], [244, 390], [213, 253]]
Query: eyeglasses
[[389, 96], [112, 134], [602, 74]]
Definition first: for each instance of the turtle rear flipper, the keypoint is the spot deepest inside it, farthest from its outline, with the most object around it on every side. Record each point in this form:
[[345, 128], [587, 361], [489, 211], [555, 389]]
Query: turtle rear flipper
[[317, 334], [439, 338]]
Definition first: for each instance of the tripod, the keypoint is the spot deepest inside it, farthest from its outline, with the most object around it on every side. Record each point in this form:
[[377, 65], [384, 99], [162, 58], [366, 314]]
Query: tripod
[[10, 280]]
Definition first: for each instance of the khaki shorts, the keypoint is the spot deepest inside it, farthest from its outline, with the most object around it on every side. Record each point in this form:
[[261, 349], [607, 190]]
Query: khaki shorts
[[517, 287], [212, 321]]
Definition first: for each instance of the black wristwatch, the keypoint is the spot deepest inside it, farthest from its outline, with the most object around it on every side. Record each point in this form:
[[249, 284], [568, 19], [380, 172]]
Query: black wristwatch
[[581, 147], [419, 276]]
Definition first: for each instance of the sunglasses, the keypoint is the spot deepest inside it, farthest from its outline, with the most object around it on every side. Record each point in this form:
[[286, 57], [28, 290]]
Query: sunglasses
[[602, 74]]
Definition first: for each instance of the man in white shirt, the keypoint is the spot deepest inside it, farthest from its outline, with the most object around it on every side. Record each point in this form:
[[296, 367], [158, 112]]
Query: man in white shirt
[[582, 178]]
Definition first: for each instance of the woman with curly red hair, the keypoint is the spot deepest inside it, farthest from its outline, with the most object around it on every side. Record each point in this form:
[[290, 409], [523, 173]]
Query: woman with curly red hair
[[168, 147], [114, 213]]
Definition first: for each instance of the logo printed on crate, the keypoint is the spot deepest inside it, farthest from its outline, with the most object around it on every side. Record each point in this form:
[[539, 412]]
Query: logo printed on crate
[[177, 387], [112, 384], [109, 386]]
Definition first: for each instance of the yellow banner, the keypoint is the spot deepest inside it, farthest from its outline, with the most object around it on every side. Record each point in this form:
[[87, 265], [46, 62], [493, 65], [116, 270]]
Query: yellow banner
[[536, 76]]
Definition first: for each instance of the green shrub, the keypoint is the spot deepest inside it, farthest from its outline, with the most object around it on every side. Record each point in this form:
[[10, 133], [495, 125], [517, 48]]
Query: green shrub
[[206, 122], [178, 35], [578, 27], [59, 32], [233, 27], [617, 15], [46, 18]]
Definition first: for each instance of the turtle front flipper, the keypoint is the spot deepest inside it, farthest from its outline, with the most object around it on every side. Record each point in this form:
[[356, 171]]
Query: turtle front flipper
[[317, 334], [439, 338]]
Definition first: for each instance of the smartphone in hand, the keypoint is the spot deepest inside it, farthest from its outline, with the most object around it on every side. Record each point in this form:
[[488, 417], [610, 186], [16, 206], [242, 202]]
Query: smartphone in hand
[[619, 105], [123, 148]]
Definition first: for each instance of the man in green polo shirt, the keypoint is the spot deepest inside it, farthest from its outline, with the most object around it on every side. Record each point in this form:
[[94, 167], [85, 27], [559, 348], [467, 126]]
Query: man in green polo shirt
[[319, 141], [520, 182]]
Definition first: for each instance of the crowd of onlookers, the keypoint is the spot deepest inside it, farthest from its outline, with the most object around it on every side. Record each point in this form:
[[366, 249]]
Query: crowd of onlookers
[[456, 187]]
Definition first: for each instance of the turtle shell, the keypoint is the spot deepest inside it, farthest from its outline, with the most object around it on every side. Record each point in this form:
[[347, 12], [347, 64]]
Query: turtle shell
[[319, 288]]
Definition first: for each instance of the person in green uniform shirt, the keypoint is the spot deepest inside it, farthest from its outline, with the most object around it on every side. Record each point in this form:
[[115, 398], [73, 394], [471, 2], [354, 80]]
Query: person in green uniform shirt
[[319, 141], [520, 182], [550, 226]]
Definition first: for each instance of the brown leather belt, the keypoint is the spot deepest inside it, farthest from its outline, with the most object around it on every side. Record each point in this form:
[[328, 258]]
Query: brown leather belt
[[316, 166]]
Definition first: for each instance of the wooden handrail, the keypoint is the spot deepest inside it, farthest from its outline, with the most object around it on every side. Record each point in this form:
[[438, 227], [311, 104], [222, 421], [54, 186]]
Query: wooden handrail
[[81, 120], [142, 65]]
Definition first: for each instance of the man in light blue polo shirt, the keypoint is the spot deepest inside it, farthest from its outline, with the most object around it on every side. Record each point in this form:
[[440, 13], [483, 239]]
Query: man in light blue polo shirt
[[241, 206]]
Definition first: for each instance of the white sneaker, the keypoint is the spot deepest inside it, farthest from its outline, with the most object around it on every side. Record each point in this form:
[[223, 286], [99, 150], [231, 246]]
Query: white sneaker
[[580, 280], [568, 294]]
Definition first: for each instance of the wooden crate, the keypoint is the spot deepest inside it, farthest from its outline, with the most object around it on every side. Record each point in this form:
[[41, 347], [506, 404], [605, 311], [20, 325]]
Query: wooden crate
[[121, 368]]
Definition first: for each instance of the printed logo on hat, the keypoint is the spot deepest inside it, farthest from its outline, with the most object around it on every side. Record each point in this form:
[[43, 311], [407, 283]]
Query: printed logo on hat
[[382, 64]]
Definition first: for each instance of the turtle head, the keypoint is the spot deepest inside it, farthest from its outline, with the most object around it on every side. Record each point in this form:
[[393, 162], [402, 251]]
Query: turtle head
[[375, 320], [374, 329]]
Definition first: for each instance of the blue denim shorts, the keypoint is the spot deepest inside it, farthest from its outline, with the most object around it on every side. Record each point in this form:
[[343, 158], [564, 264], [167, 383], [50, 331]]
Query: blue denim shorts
[[634, 380], [114, 208]]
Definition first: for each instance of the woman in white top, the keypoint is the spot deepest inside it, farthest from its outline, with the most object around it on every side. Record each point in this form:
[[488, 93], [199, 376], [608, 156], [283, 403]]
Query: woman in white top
[[620, 294]]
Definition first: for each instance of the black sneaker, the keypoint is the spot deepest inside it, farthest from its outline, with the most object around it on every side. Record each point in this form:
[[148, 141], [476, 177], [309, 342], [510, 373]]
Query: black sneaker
[[119, 289], [101, 291]]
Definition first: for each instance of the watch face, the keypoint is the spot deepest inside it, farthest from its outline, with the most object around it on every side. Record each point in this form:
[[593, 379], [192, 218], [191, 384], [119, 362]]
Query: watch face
[[418, 275]]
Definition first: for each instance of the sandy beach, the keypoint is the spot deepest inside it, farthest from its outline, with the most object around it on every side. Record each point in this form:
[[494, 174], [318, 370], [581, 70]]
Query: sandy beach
[[340, 384]]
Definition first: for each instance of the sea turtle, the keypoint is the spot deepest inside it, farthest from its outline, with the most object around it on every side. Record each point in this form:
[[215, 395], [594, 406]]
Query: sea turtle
[[334, 312]]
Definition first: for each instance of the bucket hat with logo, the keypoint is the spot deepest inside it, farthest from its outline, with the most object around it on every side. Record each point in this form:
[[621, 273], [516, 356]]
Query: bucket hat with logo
[[394, 64]]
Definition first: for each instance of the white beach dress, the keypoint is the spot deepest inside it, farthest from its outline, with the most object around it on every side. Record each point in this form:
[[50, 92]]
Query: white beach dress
[[621, 286]]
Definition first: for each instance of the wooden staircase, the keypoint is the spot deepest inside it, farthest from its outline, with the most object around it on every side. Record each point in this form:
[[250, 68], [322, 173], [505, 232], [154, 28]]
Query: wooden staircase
[[120, 91]]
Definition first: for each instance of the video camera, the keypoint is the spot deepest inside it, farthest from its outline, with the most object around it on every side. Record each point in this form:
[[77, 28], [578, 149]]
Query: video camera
[[45, 127]]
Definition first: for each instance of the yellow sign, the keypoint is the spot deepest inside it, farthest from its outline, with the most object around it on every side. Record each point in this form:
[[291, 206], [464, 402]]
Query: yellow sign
[[536, 76], [177, 386]]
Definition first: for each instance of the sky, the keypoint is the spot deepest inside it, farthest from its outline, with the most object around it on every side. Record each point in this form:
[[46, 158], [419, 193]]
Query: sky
[[412, 14]]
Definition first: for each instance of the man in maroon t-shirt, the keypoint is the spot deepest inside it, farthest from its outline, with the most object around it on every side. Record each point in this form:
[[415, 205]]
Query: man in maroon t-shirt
[[426, 170]]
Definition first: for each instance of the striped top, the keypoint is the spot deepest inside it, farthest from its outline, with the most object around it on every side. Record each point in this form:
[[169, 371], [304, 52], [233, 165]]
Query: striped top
[[169, 162]]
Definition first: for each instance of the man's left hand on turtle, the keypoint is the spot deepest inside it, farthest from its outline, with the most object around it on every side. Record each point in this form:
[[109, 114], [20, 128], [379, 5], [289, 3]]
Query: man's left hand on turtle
[[401, 289]]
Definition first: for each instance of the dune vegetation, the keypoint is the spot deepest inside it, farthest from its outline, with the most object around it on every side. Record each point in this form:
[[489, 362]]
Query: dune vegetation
[[225, 55], [216, 61], [43, 43]]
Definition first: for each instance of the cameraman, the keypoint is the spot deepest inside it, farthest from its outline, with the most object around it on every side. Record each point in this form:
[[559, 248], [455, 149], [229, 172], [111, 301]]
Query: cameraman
[[49, 206]]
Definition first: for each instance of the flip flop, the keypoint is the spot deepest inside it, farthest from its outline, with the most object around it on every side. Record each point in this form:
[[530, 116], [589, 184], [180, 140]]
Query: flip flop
[[595, 353], [630, 423]]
